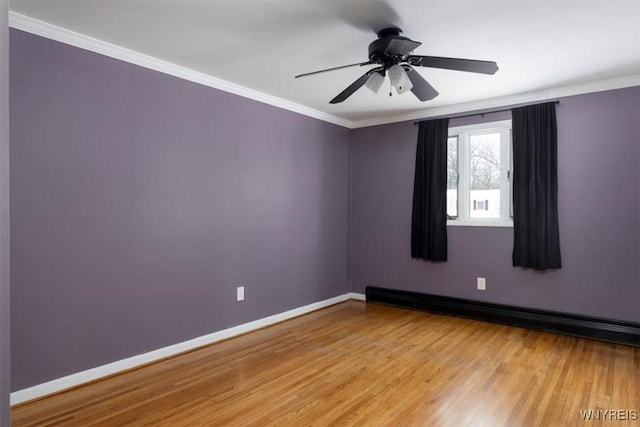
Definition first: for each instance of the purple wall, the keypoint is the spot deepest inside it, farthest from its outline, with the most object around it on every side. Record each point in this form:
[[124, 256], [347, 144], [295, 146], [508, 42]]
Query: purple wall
[[599, 204], [5, 372], [139, 202]]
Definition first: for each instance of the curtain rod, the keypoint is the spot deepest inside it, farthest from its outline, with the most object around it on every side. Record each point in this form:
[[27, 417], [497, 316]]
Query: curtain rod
[[486, 112]]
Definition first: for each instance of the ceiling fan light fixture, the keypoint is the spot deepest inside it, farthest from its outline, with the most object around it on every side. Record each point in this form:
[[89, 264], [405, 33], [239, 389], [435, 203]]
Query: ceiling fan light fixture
[[399, 79], [375, 82]]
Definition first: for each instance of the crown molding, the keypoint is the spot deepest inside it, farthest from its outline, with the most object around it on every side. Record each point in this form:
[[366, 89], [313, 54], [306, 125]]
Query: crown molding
[[523, 98], [72, 38]]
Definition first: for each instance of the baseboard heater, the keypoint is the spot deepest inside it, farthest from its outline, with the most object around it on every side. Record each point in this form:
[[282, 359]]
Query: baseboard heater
[[568, 324]]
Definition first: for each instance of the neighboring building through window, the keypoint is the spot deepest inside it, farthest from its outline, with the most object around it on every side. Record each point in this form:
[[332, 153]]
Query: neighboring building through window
[[480, 205], [479, 174]]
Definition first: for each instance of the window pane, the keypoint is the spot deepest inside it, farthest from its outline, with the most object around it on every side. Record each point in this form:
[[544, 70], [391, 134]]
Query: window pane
[[484, 175], [452, 176]]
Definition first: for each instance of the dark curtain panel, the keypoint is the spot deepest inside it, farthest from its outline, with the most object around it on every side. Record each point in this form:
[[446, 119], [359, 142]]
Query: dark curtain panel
[[535, 187], [429, 219]]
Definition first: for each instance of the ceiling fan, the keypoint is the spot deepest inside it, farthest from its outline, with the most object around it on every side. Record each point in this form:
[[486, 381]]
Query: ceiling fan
[[392, 55]]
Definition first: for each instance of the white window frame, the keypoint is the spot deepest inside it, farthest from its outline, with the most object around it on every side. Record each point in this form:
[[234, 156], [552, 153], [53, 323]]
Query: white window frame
[[463, 133]]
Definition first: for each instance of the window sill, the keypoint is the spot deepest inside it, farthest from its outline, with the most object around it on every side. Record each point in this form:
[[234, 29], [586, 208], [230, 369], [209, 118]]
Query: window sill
[[479, 223]]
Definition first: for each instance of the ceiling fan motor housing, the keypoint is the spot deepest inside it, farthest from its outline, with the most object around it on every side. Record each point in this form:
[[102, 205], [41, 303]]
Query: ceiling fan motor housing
[[390, 48]]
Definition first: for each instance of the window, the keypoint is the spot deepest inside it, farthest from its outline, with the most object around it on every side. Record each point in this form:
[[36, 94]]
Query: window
[[479, 175]]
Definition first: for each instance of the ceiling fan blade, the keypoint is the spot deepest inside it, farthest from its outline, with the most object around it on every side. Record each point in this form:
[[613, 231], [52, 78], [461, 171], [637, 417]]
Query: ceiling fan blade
[[334, 68], [401, 47], [352, 87], [421, 88], [470, 65]]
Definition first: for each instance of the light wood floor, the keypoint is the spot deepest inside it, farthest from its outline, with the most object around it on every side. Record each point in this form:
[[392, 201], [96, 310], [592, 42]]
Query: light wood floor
[[371, 365]]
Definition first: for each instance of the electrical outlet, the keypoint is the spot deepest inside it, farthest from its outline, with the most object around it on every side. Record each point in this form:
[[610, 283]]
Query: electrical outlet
[[240, 293], [482, 284]]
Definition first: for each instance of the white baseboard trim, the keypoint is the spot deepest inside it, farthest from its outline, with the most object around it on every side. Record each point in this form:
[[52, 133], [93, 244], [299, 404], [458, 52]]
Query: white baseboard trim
[[93, 374], [357, 296]]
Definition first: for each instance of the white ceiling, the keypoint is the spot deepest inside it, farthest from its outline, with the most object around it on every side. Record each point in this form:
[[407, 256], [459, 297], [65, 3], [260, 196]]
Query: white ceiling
[[539, 45]]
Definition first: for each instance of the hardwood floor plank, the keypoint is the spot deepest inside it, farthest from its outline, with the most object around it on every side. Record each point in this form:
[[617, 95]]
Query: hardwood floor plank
[[363, 364]]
